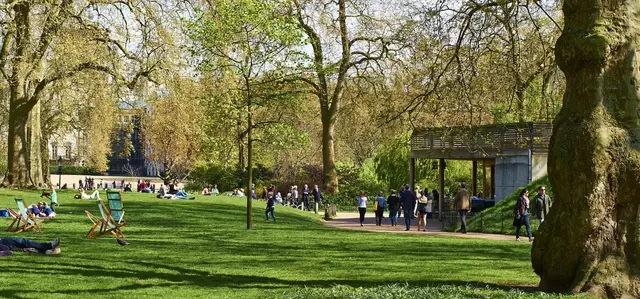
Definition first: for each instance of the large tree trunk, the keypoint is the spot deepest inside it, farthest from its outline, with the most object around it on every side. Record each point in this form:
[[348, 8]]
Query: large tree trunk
[[590, 240], [330, 175], [17, 159], [35, 150]]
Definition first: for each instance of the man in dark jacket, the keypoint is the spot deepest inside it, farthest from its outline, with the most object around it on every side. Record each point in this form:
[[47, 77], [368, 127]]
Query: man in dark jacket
[[305, 197], [394, 205], [316, 196], [270, 208], [408, 199], [541, 204]]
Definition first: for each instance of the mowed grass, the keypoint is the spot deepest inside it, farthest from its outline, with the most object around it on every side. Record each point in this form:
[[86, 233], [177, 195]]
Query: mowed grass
[[201, 249]]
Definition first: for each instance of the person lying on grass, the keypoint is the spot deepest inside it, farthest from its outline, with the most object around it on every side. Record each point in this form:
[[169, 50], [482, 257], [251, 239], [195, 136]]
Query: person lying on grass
[[7, 245], [84, 195]]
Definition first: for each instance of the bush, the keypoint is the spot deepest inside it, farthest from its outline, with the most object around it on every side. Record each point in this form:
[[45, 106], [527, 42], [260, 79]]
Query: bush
[[208, 173], [72, 169]]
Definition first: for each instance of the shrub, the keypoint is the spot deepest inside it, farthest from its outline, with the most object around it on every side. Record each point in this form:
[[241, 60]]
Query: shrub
[[72, 169], [208, 173]]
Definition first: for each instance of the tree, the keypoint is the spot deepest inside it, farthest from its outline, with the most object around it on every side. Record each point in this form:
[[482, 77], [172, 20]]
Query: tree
[[479, 62], [359, 51], [32, 38], [253, 40], [590, 241], [173, 128]]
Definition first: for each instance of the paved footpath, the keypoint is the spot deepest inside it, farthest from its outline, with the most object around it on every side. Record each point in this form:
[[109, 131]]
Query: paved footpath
[[352, 221]]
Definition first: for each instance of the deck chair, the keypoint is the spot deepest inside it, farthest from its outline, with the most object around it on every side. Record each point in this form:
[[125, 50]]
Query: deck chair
[[24, 219], [106, 223], [116, 209], [112, 218]]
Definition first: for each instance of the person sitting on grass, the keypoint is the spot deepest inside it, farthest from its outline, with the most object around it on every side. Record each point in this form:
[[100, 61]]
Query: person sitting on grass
[[214, 190], [270, 207], [182, 194], [83, 195], [49, 212], [33, 208], [7, 245], [205, 191]]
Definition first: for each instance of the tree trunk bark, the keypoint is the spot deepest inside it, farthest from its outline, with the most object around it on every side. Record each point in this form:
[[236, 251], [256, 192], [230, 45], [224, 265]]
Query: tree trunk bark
[[590, 240], [330, 175], [17, 159], [521, 105], [249, 169], [35, 139]]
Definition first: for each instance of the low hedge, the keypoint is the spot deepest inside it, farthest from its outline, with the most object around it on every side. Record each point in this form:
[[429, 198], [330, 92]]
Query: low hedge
[[75, 170]]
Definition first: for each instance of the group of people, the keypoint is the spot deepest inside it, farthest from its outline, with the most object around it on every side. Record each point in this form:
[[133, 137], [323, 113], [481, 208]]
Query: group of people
[[538, 208], [42, 210], [210, 190], [294, 197], [413, 204], [173, 190]]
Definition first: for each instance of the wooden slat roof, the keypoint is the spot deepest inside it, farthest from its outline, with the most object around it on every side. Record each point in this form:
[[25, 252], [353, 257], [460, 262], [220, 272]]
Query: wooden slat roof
[[477, 142]]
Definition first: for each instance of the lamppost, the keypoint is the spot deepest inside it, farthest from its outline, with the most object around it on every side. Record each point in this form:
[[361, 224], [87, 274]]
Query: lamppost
[[59, 171]]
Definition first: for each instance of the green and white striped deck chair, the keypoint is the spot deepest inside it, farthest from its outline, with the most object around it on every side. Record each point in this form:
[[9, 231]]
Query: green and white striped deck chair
[[23, 220], [106, 223]]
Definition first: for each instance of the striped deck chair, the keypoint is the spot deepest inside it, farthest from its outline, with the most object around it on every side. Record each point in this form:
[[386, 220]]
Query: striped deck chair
[[23, 220], [106, 223]]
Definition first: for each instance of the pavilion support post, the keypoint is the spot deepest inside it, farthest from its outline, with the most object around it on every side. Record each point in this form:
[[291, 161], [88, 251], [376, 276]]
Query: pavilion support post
[[493, 181], [412, 173], [485, 188], [474, 177], [441, 199]]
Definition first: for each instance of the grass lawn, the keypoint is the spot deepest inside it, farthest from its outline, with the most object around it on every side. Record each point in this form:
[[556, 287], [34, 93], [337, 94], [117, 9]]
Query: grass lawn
[[201, 249]]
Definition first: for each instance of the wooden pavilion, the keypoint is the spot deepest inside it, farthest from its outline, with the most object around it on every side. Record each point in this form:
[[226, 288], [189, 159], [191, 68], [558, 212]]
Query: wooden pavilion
[[513, 154]]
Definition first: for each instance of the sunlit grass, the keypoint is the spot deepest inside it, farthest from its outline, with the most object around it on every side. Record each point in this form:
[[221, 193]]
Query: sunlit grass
[[201, 249]]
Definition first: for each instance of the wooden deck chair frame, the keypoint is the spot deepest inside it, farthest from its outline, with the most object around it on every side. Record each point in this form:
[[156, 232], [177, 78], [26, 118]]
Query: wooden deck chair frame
[[24, 220], [107, 224], [96, 222]]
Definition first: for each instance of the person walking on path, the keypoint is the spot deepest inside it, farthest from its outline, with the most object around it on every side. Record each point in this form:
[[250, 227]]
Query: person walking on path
[[462, 203], [270, 208], [9, 244], [541, 204], [305, 197], [421, 210], [394, 205], [317, 196], [522, 215], [362, 206], [408, 199], [294, 194], [382, 205]]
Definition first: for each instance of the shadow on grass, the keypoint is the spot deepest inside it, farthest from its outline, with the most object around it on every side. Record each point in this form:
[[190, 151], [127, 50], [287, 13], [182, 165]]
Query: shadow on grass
[[206, 279]]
